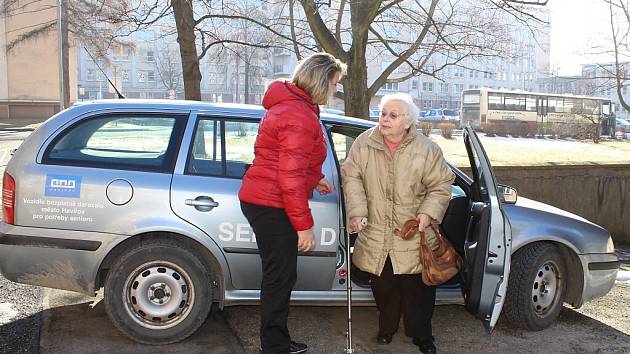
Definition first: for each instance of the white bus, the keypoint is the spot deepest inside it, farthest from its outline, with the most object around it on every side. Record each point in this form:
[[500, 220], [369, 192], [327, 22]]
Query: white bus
[[528, 111]]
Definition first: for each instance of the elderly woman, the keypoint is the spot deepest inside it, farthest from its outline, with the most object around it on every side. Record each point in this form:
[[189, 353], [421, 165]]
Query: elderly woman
[[393, 174]]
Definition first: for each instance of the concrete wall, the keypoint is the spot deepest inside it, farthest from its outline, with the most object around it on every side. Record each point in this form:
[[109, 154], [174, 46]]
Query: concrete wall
[[4, 88], [29, 74], [599, 193]]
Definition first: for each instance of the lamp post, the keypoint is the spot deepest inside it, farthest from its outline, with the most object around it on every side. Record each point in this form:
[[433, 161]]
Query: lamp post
[[60, 35]]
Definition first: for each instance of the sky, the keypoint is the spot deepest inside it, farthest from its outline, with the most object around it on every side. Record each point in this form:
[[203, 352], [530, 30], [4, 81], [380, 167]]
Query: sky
[[576, 25]]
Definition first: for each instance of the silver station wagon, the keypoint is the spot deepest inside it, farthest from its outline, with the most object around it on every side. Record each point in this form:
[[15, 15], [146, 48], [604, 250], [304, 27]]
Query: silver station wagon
[[140, 198]]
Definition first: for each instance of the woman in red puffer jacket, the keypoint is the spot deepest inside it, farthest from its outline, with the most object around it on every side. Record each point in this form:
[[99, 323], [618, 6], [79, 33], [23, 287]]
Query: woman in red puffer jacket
[[289, 152]]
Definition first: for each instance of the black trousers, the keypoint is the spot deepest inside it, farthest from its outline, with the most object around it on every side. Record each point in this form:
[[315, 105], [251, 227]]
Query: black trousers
[[404, 294], [277, 244]]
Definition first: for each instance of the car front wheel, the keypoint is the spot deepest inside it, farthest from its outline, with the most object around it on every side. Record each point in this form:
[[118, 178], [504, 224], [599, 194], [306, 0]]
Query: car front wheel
[[537, 287], [158, 292]]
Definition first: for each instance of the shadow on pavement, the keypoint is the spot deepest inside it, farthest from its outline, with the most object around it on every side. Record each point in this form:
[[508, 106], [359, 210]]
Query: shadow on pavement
[[455, 331], [82, 328]]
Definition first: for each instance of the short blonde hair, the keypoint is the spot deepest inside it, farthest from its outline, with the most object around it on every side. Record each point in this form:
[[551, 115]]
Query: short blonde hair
[[412, 109], [314, 73]]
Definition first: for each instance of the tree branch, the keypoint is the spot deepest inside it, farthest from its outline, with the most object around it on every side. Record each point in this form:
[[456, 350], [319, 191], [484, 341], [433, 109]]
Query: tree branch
[[321, 32], [404, 56]]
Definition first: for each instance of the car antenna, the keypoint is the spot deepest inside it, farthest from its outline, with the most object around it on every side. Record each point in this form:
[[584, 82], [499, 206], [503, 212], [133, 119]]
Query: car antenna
[[120, 95]]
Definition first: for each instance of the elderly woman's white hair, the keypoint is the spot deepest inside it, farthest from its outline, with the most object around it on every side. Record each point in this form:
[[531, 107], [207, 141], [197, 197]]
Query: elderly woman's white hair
[[411, 108]]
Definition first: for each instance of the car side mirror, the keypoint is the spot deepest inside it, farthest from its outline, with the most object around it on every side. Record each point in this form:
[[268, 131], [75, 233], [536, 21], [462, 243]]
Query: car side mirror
[[507, 194]]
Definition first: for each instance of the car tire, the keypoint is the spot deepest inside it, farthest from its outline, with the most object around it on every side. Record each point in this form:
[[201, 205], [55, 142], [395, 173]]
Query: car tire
[[158, 292], [536, 288]]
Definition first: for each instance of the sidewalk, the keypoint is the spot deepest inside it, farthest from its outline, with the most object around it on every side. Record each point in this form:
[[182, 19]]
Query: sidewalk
[[20, 124]]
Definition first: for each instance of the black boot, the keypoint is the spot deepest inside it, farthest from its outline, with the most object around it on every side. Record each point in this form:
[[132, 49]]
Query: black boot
[[383, 339], [425, 345], [296, 347]]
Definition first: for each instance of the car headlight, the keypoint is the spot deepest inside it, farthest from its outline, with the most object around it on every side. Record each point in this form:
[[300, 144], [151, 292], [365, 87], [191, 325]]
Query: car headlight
[[610, 246]]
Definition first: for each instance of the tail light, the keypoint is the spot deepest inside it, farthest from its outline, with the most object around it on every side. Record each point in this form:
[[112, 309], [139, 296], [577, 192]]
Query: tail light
[[8, 199]]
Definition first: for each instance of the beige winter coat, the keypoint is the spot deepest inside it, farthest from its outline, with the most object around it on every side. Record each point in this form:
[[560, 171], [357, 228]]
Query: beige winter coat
[[389, 190]]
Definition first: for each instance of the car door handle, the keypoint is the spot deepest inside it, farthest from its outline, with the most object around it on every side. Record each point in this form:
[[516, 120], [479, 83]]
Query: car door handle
[[202, 203]]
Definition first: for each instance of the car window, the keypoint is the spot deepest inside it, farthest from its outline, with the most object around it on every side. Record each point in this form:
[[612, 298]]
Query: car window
[[118, 142], [205, 157], [239, 146], [478, 174], [342, 139], [222, 148]]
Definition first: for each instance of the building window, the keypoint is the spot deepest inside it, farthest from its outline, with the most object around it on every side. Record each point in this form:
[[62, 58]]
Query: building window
[[443, 87], [151, 76], [125, 75], [142, 76], [427, 86], [443, 104], [91, 75], [459, 72], [277, 68], [414, 85], [391, 86], [459, 87], [150, 56]]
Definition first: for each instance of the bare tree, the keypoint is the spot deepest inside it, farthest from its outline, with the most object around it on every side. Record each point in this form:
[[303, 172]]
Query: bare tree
[[169, 69], [620, 31], [410, 35]]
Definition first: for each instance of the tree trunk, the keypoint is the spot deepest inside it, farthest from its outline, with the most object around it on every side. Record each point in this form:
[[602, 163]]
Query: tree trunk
[[247, 72], [185, 22], [355, 88], [355, 96]]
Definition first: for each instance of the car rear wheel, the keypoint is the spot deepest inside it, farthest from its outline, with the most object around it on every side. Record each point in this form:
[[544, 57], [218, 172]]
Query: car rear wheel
[[158, 292], [536, 288]]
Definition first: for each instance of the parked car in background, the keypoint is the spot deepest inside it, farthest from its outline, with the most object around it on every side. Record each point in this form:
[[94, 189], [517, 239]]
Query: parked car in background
[[140, 198], [374, 115], [442, 114], [332, 111], [622, 125], [622, 128]]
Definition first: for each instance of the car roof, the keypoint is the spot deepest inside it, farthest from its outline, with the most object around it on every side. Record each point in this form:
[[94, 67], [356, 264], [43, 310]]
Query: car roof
[[157, 105]]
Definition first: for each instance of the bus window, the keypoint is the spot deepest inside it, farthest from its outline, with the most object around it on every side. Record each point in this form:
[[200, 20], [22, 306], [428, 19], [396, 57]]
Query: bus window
[[495, 101], [530, 104], [555, 105], [569, 105], [591, 107], [471, 98], [514, 102]]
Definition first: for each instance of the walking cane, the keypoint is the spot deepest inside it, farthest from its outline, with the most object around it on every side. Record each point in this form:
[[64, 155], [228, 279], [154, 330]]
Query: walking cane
[[349, 349]]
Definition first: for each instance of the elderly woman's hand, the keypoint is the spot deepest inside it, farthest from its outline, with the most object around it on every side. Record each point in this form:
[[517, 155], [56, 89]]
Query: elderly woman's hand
[[424, 221], [357, 223]]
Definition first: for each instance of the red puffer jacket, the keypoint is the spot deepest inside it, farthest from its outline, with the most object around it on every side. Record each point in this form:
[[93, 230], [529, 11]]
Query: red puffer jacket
[[289, 152]]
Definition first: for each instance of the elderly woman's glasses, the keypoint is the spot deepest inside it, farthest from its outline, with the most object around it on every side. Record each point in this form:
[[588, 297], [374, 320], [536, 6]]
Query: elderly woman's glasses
[[392, 115]]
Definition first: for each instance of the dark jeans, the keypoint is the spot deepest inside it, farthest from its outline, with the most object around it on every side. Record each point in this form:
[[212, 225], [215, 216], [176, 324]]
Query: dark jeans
[[406, 294], [277, 244]]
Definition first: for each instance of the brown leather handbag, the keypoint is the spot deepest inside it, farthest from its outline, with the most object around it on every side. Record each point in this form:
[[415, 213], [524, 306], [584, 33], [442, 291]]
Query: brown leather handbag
[[439, 265]]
